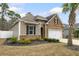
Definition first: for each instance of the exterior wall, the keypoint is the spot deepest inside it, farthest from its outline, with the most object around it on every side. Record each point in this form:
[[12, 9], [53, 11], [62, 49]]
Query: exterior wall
[[24, 30], [15, 30], [65, 33], [38, 29], [46, 31], [30, 36], [51, 25], [42, 25]]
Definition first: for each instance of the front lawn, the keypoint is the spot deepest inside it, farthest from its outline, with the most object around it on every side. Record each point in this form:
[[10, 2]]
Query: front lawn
[[46, 49]]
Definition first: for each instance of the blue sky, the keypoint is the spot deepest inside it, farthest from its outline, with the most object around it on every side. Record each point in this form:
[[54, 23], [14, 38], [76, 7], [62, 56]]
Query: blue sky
[[43, 9]]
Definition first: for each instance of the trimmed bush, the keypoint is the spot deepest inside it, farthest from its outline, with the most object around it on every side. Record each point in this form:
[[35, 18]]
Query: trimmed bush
[[8, 38], [51, 40], [35, 39], [12, 39], [46, 39], [22, 41]]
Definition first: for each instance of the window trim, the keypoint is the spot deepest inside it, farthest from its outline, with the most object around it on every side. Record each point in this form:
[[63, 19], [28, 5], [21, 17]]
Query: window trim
[[33, 30]]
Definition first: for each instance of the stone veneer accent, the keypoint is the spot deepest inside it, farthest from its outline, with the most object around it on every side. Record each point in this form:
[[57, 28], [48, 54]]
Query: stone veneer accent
[[30, 36]]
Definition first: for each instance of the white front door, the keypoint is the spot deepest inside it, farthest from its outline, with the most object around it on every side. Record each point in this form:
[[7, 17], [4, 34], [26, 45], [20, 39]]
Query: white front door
[[55, 33]]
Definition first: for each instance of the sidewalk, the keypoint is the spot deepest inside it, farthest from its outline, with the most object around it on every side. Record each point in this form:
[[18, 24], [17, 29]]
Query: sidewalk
[[75, 42]]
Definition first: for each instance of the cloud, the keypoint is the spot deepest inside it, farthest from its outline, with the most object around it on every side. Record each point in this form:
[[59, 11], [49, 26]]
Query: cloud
[[22, 14], [15, 9], [45, 13], [18, 10], [56, 10]]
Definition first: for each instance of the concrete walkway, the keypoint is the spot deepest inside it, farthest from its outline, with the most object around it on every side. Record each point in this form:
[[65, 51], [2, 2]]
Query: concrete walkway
[[75, 42]]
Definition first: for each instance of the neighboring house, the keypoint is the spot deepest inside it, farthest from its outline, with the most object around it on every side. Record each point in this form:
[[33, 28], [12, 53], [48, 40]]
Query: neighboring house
[[66, 31], [38, 27]]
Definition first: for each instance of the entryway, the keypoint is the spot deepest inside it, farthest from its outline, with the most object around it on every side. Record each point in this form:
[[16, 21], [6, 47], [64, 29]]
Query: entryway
[[42, 32]]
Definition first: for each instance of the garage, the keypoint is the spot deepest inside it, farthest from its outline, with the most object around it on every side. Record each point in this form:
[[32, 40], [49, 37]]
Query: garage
[[55, 33]]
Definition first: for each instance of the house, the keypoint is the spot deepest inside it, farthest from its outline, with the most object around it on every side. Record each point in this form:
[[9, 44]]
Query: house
[[66, 31], [38, 27]]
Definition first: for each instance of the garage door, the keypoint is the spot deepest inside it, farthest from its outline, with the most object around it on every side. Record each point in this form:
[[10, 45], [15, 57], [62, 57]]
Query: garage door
[[54, 33]]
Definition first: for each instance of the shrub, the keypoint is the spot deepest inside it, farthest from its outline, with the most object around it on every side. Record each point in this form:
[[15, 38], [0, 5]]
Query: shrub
[[8, 38], [35, 39], [12, 39], [46, 39], [22, 41], [28, 41], [51, 40]]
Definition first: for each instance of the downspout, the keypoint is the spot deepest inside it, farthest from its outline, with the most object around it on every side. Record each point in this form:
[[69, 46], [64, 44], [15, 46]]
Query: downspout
[[19, 29]]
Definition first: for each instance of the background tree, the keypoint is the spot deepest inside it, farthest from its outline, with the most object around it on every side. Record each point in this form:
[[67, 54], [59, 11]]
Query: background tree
[[4, 9], [76, 33], [71, 8], [14, 16], [5, 12]]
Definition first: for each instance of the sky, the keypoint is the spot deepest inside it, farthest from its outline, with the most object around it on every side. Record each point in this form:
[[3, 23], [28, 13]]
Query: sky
[[43, 9]]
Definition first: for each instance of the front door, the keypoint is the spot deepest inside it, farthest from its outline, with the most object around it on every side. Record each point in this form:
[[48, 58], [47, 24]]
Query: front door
[[42, 32]]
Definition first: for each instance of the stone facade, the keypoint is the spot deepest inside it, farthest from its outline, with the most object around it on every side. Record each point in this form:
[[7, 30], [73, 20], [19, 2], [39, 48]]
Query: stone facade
[[29, 36]]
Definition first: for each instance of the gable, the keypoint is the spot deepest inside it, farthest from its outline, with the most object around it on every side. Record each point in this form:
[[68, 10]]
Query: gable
[[28, 17], [55, 22]]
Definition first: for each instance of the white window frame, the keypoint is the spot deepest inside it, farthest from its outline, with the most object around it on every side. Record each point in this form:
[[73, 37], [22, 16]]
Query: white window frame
[[30, 30]]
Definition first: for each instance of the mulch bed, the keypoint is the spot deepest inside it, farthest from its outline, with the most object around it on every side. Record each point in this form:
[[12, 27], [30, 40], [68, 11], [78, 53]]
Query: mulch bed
[[35, 42]]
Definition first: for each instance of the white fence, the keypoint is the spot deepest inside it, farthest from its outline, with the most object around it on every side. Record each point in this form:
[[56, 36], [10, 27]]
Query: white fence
[[6, 34]]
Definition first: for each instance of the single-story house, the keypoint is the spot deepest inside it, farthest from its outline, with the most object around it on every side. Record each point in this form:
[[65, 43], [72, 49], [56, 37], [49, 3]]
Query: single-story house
[[38, 27], [66, 29]]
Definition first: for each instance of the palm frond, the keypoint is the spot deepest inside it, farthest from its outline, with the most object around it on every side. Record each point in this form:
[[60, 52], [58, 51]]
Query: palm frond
[[70, 6], [75, 5], [65, 7]]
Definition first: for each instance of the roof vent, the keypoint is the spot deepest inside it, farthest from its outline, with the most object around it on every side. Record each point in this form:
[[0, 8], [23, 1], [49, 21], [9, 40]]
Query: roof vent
[[29, 13]]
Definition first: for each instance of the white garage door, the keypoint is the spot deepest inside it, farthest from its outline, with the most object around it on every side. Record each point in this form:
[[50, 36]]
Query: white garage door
[[54, 33]]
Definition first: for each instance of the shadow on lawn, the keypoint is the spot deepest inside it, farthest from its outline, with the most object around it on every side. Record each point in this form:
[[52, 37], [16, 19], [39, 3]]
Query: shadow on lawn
[[73, 47]]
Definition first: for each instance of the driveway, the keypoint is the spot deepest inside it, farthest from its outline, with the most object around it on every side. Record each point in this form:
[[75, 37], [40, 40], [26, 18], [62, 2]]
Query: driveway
[[75, 41]]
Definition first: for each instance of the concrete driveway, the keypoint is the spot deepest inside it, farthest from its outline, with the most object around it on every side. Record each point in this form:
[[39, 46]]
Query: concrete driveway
[[75, 41]]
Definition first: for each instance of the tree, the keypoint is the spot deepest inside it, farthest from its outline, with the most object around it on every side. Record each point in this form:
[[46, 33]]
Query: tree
[[71, 7], [76, 33], [4, 9], [8, 13], [14, 16]]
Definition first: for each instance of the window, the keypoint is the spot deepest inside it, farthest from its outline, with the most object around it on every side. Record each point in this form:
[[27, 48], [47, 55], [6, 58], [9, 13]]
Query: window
[[55, 21], [31, 29]]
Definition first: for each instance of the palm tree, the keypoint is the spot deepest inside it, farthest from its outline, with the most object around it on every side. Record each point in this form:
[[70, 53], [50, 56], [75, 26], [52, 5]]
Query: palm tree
[[6, 12], [71, 8]]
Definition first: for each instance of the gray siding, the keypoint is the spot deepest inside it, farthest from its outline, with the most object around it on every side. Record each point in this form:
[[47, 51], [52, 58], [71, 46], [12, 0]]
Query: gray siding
[[15, 30], [24, 29]]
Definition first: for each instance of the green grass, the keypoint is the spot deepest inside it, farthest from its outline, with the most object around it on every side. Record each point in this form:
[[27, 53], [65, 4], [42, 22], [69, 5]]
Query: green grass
[[47, 49]]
